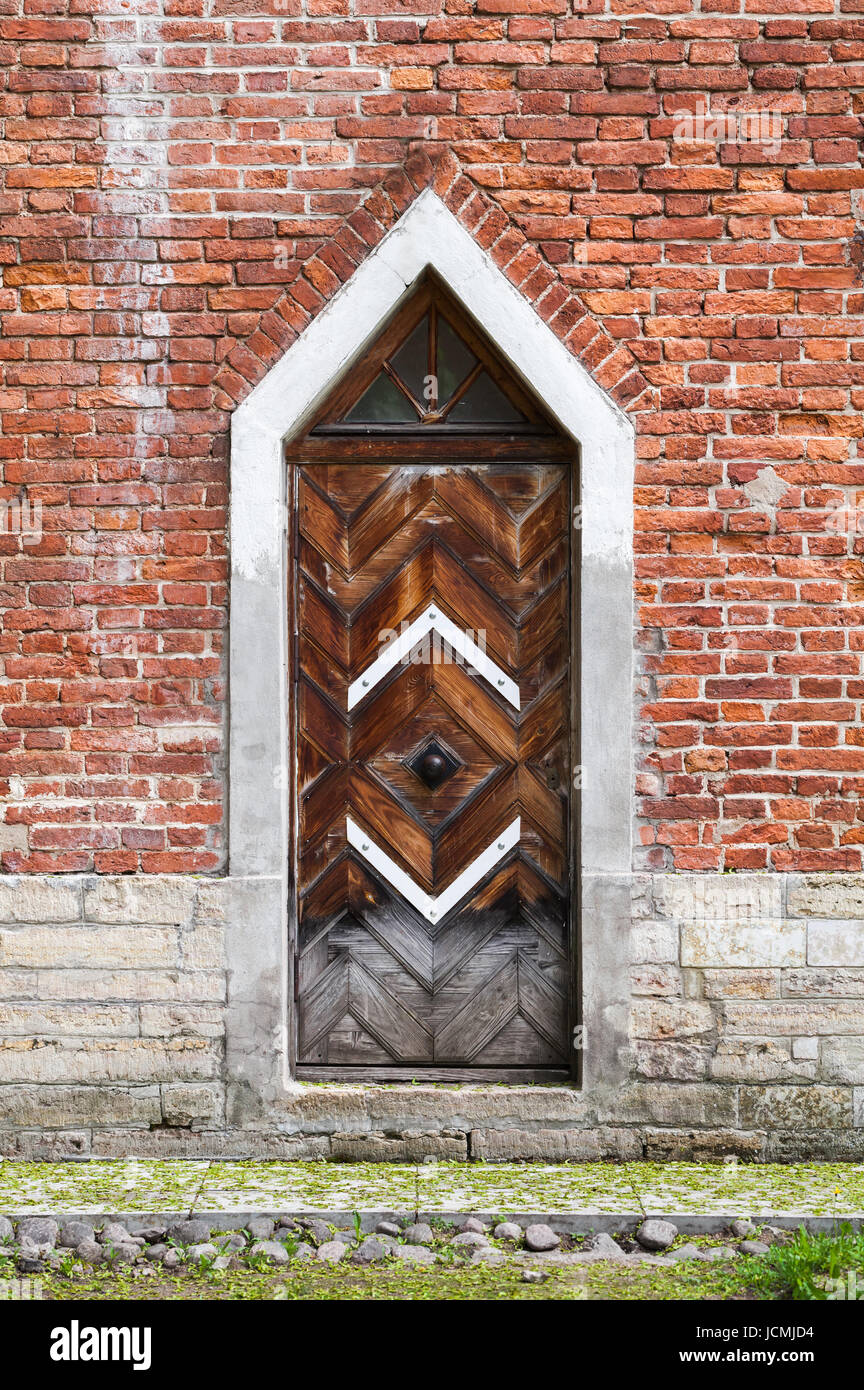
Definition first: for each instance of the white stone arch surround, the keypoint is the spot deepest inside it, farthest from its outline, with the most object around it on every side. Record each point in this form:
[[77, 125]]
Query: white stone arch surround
[[428, 236]]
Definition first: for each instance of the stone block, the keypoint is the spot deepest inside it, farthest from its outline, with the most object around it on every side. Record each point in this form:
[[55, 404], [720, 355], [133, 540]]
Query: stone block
[[742, 984], [834, 983], [44, 1145], [662, 1019], [58, 1107], [688, 1104], [803, 1017], [75, 1020], [759, 1059], [144, 985], [18, 984], [842, 1059], [555, 1145], [181, 1020], [671, 1061], [187, 1105], [211, 900], [204, 947], [735, 944], [130, 1060], [94, 947], [35, 899], [826, 895], [207, 1143], [701, 1145], [657, 980], [519, 1107], [722, 897], [654, 943], [800, 1107], [410, 1147], [814, 1146], [154, 899], [835, 942]]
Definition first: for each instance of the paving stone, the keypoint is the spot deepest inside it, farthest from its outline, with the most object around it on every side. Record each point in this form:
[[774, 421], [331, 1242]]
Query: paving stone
[[191, 1232], [272, 1250], [469, 1239], [73, 1232], [507, 1230], [114, 1234], [229, 1242], [539, 1236], [203, 1251], [372, 1250], [260, 1227], [415, 1255], [151, 1234], [124, 1254], [320, 1232], [474, 1224], [600, 1246], [488, 1256], [38, 1230], [419, 1233], [656, 1235], [90, 1251], [332, 1251]]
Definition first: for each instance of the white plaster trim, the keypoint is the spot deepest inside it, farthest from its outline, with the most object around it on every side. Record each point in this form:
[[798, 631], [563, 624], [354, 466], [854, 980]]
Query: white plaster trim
[[399, 647], [433, 908], [428, 236]]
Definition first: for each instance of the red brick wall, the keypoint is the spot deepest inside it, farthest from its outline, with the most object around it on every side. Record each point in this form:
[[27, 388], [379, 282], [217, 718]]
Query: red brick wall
[[185, 184]]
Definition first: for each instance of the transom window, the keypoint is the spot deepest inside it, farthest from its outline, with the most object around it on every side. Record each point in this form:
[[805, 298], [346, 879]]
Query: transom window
[[431, 372]]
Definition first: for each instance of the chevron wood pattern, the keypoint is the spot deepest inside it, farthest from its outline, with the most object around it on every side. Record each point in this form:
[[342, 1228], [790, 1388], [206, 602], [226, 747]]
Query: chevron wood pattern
[[486, 989]]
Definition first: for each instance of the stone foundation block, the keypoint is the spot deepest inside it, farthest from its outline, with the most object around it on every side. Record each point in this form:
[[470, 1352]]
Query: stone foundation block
[[555, 1145]]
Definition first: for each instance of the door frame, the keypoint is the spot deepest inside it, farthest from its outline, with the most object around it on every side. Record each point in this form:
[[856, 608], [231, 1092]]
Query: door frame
[[427, 237]]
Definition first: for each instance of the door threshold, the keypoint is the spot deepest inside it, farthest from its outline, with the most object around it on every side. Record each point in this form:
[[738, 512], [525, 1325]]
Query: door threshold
[[514, 1076]]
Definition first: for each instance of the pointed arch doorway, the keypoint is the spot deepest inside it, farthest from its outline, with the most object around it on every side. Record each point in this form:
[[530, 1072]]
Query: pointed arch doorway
[[432, 577]]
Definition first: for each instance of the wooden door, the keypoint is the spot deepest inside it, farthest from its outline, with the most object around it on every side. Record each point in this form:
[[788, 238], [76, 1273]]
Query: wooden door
[[432, 708]]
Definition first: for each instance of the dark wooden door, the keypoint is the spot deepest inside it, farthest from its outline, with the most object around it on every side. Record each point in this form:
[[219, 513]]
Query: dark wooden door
[[432, 711]]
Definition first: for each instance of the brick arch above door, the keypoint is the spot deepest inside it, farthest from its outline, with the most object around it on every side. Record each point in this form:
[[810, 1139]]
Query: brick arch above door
[[428, 237]]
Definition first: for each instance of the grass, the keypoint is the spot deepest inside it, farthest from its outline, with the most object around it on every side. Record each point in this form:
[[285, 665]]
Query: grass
[[451, 1281], [812, 1267]]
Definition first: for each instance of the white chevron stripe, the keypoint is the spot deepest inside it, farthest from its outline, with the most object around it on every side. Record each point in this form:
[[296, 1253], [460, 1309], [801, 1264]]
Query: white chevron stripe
[[433, 909], [460, 642]]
